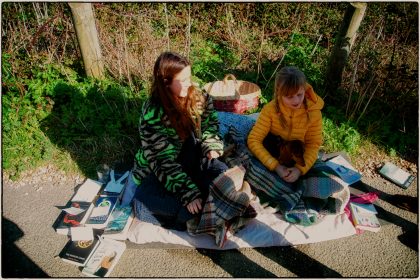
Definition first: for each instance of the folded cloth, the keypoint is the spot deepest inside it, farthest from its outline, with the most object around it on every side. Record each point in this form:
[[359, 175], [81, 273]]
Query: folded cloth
[[225, 208]]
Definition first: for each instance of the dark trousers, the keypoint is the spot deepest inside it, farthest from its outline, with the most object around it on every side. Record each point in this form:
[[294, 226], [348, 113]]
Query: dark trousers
[[153, 203]]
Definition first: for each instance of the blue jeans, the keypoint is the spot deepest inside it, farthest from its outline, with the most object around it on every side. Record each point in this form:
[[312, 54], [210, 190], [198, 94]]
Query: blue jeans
[[154, 204]]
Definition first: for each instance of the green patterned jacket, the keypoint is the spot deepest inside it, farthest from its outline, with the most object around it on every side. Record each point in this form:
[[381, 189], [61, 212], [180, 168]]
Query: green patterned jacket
[[161, 145]]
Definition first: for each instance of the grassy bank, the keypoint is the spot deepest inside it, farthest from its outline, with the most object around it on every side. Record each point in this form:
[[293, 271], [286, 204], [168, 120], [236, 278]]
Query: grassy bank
[[52, 113]]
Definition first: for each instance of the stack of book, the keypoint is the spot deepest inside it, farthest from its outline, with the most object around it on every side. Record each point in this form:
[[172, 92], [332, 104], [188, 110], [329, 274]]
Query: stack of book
[[96, 225], [364, 216]]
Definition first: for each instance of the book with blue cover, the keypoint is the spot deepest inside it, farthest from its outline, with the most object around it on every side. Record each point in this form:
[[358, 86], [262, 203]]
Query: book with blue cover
[[119, 223], [101, 213], [344, 169], [119, 219]]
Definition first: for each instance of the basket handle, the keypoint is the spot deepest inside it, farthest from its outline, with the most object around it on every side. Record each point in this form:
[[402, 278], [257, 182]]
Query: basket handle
[[231, 76]]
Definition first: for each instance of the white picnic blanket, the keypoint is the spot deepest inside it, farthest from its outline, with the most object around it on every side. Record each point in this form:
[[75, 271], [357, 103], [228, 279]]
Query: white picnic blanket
[[266, 230]]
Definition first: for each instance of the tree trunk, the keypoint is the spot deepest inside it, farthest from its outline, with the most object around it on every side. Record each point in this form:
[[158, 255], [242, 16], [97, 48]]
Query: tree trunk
[[345, 40], [87, 35]]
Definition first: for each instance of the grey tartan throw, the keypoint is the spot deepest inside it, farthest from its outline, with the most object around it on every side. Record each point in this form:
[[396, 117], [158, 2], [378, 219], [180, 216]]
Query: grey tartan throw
[[314, 195], [225, 208]]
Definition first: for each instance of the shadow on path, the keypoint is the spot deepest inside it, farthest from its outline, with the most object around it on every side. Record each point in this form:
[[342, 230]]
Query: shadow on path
[[15, 264], [236, 264], [297, 262]]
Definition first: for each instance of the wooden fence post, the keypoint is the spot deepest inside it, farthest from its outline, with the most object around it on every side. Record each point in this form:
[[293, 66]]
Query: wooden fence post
[[87, 36], [345, 40]]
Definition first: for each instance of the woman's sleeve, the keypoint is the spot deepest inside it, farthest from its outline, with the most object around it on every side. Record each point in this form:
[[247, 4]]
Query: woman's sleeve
[[256, 137], [161, 156], [313, 140], [211, 140]]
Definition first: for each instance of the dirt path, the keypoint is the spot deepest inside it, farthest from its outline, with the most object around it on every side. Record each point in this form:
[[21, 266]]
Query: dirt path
[[31, 246]]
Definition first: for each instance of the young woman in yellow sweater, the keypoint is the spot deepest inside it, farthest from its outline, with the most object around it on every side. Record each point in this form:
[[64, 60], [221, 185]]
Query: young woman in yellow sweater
[[288, 133]]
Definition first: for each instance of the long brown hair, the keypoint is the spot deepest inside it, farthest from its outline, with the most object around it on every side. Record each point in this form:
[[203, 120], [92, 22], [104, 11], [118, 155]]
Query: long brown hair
[[288, 81], [181, 111]]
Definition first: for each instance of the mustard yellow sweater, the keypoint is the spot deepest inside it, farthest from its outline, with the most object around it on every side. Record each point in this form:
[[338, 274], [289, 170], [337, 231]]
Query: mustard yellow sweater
[[299, 127]]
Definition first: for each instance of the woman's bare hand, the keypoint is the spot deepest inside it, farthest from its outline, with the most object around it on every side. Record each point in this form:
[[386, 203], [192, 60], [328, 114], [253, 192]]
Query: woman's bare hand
[[293, 175], [194, 207], [212, 154], [281, 170]]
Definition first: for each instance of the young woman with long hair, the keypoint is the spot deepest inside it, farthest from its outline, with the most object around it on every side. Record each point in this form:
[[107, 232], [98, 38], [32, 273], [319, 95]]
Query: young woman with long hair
[[180, 145]]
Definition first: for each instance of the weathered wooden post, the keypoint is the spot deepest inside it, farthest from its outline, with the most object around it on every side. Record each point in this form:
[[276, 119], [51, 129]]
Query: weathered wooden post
[[87, 35], [345, 40]]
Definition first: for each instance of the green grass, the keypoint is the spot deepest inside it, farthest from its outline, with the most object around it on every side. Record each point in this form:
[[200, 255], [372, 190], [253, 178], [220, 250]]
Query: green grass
[[340, 137]]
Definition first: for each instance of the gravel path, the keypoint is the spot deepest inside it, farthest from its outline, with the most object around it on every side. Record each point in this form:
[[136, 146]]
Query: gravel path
[[31, 246]]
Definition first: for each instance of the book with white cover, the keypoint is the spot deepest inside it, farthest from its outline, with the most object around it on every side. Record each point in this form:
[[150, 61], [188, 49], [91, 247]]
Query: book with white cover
[[364, 216], [87, 191], [105, 257]]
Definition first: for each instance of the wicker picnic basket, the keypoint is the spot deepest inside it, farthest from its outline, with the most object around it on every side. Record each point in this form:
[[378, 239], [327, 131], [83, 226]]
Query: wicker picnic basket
[[232, 95]]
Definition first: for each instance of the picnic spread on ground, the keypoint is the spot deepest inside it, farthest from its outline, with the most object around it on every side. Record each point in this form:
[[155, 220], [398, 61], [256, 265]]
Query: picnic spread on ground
[[309, 211]]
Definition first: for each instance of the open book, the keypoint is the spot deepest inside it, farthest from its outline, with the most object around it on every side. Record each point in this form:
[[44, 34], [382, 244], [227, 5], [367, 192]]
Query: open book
[[104, 258]]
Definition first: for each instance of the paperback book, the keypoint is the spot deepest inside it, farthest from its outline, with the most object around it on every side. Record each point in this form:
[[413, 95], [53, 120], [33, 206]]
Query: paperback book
[[396, 175], [101, 213], [364, 216], [105, 257], [88, 191], [344, 169], [67, 220], [119, 223], [78, 252]]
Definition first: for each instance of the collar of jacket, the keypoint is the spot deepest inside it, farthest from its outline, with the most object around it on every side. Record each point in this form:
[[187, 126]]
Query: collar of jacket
[[314, 102]]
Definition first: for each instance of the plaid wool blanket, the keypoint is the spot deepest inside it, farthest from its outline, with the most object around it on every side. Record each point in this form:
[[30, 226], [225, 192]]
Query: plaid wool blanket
[[314, 195], [305, 202], [225, 208]]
